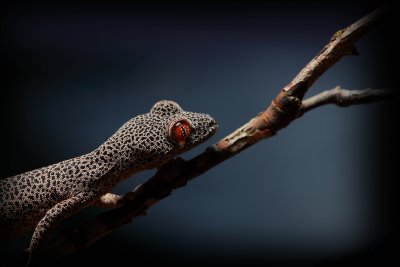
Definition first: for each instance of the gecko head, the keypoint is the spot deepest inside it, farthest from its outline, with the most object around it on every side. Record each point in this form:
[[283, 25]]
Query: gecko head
[[167, 131], [149, 140], [183, 130]]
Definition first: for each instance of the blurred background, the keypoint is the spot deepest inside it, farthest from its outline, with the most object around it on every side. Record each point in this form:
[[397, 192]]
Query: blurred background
[[319, 192]]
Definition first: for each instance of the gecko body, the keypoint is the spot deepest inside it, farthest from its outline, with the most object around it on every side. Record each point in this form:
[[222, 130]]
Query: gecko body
[[39, 199]]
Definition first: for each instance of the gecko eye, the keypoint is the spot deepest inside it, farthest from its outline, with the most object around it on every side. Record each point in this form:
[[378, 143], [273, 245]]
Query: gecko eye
[[180, 131]]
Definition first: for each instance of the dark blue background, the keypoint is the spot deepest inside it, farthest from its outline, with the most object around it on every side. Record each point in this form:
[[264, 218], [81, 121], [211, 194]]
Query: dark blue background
[[319, 191]]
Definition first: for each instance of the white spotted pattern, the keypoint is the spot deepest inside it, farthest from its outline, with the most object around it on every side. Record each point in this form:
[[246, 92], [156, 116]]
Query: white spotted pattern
[[42, 197]]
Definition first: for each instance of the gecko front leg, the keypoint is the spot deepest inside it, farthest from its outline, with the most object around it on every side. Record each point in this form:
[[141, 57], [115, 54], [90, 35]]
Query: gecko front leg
[[56, 214]]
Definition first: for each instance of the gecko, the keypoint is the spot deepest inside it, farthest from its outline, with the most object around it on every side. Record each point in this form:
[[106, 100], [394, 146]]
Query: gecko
[[39, 199]]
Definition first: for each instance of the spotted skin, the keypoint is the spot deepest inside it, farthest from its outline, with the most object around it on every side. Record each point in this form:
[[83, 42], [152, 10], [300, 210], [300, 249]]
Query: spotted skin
[[41, 198]]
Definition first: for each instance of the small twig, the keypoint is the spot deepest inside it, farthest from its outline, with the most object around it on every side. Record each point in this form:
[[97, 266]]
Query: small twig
[[343, 98], [282, 111]]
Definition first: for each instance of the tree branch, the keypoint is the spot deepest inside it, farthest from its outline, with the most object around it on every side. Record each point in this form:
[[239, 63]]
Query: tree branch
[[343, 98], [176, 173]]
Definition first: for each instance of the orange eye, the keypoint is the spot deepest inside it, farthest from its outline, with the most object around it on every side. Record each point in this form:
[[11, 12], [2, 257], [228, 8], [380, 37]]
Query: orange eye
[[180, 132]]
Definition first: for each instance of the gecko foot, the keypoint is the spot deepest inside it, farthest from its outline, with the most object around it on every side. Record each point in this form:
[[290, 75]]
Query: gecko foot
[[29, 261]]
